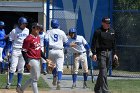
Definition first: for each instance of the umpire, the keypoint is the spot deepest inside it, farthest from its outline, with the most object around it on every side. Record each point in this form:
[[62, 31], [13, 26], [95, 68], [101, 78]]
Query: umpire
[[103, 46]]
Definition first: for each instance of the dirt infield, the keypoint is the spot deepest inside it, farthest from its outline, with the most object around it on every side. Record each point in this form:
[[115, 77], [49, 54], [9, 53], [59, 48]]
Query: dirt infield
[[52, 91]]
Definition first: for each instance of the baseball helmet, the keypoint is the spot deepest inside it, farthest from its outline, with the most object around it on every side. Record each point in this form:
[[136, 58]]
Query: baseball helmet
[[2, 23], [74, 31], [54, 23], [22, 20]]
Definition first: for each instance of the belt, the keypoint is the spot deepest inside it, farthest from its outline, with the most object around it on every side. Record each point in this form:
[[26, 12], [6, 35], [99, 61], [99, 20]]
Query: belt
[[55, 49], [16, 48], [79, 53], [104, 49]]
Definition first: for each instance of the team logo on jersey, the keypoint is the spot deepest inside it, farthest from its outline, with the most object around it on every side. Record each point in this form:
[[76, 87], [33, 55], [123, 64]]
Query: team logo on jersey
[[21, 35], [37, 45]]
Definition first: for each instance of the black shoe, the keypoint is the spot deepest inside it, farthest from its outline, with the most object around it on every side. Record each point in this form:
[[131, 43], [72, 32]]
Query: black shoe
[[73, 85], [18, 89], [2, 71], [54, 81], [85, 84], [58, 86], [44, 72], [8, 86]]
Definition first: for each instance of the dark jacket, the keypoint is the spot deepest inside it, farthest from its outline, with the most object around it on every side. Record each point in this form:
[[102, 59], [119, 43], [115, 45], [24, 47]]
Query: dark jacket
[[103, 40]]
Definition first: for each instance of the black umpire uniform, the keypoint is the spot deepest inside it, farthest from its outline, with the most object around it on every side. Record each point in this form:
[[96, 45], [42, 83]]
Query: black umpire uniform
[[103, 45]]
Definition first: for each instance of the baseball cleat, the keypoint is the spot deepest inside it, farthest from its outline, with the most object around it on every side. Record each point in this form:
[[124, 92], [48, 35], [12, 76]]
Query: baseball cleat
[[44, 73], [58, 86], [19, 90], [85, 84], [73, 85], [7, 86], [54, 81]]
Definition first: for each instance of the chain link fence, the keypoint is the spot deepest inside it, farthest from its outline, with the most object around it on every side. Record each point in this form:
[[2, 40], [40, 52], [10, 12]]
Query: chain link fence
[[126, 16], [125, 21]]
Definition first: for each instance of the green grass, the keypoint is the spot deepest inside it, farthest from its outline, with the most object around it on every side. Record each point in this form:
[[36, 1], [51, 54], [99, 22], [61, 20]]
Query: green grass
[[127, 72], [42, 85], [121, 86]]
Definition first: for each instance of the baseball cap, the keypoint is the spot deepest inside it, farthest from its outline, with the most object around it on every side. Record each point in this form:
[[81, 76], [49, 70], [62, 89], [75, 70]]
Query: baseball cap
[[106, 20], [36, 25]]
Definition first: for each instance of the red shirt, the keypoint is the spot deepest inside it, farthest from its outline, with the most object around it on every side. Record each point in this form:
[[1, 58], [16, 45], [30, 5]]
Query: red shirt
[[31, 45]]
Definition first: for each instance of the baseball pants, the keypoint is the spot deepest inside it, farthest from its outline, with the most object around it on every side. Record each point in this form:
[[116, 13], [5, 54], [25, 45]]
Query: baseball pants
[[101, 85], [80, 58], [57, 56], [35, 74], [17, 61]]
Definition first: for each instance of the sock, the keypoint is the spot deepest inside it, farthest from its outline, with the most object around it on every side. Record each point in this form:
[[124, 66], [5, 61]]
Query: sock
[[74, 78], [0, 64], [10, 77], [85, 76], [3, 65], [54, 72], [59, 75], [19, 78], [44, 66]]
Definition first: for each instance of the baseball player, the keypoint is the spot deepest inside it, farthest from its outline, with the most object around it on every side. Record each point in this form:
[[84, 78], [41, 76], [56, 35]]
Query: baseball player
[[42, 43], [16, 37], [56, 38], [32, 54], [79, 53], [6, 55], [2, 43]]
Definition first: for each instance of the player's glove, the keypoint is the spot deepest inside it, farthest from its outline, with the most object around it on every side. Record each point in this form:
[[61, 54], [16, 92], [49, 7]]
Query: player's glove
[[51, 65], [28, 66], [115, 63]]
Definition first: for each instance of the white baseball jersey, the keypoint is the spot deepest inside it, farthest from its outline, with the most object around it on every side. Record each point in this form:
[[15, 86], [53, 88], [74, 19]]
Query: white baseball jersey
[[56, 37], [81, 42], [42, 37], [17, 36]]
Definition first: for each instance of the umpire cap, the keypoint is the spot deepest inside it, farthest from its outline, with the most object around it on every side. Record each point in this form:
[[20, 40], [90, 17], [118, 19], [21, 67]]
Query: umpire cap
[[106, 20]]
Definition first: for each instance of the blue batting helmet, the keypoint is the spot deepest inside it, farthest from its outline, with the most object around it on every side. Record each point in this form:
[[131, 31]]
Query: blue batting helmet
[[54, 23], [2, 23], [74, 31], [22, 20]]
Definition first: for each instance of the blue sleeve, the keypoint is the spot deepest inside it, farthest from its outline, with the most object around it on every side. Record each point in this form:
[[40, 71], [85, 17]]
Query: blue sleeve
[[87, 47], [9, 45], [46, 42], [66, 44], [2, 38], [2, 35]]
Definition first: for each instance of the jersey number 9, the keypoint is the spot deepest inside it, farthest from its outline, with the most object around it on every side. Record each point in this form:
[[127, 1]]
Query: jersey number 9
[[55, 37]]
